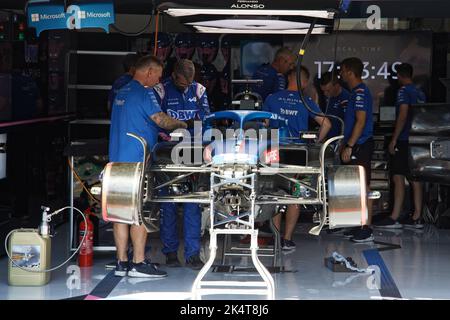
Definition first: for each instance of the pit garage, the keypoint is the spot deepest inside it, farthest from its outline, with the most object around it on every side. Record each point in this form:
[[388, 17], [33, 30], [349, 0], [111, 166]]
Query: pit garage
[[232, 150]]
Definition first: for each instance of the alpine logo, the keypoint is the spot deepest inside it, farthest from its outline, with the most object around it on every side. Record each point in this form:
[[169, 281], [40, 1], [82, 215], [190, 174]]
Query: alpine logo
[[248, 6]]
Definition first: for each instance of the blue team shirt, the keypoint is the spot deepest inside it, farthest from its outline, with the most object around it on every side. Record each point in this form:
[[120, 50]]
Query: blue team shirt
[[273, 81], [360, 100], [337, 107], [190, 104], [131, 111], [409, 95], [119, 83], [289, 106]]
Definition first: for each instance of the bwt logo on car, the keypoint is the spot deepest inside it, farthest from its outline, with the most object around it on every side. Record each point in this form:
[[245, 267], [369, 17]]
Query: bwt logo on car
[[182, 114]]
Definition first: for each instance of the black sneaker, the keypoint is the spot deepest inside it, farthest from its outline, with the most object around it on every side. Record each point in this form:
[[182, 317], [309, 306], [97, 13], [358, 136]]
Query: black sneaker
[[156, 264], [194, 262], [172, 260], [388, 223], [350, 233], [365, 234], [335, 230], [122, 268], [287, 244], [145, 269], [414, 224]]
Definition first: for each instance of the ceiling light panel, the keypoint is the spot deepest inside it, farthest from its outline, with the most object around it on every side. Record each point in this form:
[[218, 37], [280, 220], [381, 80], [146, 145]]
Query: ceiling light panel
[[184, 12]]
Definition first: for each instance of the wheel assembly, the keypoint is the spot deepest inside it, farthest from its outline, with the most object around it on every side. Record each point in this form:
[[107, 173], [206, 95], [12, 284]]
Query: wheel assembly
[[347, 194]]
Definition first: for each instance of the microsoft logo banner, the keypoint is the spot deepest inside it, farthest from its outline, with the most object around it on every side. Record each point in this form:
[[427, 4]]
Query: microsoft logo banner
[[44, 16]]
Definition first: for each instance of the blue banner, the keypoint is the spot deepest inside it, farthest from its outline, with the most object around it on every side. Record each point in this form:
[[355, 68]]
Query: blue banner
[[92, 15], [44, 16]]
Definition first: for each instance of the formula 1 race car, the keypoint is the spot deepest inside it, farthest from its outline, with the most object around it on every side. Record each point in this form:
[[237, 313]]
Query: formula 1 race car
[[245, 177]]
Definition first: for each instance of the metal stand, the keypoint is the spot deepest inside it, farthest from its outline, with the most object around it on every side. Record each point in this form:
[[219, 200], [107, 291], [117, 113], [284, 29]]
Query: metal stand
[[243, 227], [273, 251]]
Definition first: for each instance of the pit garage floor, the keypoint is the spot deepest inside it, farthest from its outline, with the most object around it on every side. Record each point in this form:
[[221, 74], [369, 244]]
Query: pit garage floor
[[412, 264]]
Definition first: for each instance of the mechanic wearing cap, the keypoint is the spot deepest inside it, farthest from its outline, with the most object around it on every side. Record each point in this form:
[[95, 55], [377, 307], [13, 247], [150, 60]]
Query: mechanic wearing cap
[[184, 99], [337, 100], [136, 110], [184, 49], [184, 46], [273, 75], [357, 147], [163, 52], [288, 105], [129, 67], [207, 48], [398, 148]]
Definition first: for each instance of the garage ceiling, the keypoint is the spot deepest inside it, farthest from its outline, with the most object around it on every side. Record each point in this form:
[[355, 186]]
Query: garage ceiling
[[357, 8]]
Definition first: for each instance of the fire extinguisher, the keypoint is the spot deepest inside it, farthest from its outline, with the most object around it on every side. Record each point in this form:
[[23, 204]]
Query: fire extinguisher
[[86, 255]]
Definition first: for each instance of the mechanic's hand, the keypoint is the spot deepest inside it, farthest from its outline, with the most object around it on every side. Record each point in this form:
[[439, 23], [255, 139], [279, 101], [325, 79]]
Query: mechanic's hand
[[341, 147], [190, 123], [346, 154], [164, 136], [391, 147]]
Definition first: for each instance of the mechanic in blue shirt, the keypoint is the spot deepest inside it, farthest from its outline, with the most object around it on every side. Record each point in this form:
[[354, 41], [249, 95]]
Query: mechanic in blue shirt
[[357, 147], [408, 95], [128, 64], [337, 100], [135, 110], [184, 99], [180, 96], [288, 105], [274, 74]]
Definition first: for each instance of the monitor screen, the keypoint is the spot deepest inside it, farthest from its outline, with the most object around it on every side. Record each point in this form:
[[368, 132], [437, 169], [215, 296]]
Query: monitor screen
[[98, 69]]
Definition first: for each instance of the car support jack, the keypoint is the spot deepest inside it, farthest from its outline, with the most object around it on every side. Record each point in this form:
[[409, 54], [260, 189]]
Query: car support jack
[[265, 287]]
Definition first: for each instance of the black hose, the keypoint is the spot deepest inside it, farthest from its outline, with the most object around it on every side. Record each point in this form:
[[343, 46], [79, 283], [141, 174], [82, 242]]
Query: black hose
[[333, 72], [301, 53]]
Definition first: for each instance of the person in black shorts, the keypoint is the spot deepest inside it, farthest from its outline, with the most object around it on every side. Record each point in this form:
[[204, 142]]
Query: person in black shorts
[[398, 148], [358, 143]]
